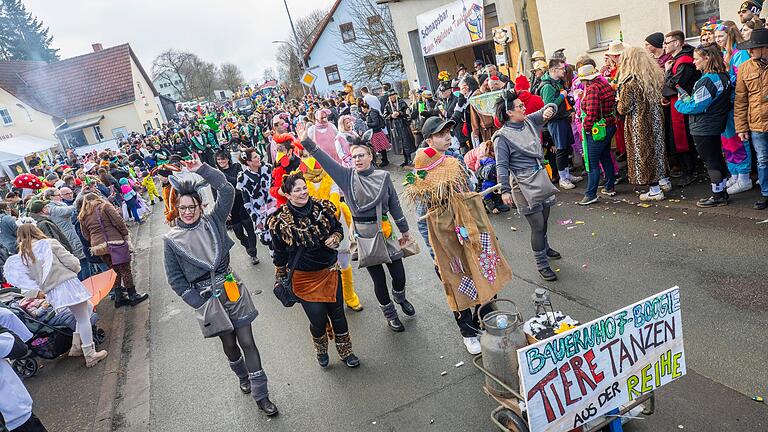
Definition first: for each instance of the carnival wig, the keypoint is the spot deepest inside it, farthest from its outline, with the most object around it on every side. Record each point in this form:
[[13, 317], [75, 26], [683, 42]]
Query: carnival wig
[[636, 64]]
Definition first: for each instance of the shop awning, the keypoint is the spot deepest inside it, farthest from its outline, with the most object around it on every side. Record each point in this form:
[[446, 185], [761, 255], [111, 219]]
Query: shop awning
[[82, 124], [16, 148]]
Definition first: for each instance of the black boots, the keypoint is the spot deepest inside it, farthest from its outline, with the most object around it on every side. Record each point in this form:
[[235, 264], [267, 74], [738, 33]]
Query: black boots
[[344, 348], [121, 297], [384, 159], [134, 297], [405, 305], [321, 349], [547, 274], [390, 313], [238, 367], [260, 392], [716, 200], [761, 204]]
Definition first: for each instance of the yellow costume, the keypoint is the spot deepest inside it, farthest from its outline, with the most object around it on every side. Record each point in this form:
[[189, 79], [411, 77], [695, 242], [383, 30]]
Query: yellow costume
[[321, 186], [149, 184]]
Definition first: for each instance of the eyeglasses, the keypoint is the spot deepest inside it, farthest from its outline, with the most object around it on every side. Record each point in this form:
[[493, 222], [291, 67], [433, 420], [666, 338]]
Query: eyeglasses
[[670, 42], [187, 209], [359, 156], [517, 107]]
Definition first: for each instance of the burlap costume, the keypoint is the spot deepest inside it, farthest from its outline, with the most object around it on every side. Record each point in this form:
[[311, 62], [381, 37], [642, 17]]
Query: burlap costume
[[439, 182]]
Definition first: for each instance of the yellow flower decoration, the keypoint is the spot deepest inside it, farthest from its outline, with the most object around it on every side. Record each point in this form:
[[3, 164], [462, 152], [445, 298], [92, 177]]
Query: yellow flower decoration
[[386, 228]]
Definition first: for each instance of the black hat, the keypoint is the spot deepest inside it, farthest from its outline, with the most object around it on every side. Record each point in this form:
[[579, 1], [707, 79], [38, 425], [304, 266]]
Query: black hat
[[656, 40], [479, 62], [392, 92], [445, 85], [759, 38], [754, 6], [434, 125]]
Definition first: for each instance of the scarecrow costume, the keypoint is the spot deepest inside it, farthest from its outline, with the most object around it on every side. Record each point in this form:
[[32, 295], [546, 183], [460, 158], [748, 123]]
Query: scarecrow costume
[[322, 187], [462, 240]]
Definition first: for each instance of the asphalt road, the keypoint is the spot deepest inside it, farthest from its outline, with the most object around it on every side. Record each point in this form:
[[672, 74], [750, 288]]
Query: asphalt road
[[620, 254]]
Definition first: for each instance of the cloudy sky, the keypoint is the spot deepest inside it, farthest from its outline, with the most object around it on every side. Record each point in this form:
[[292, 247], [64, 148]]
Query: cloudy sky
[[236, 31]]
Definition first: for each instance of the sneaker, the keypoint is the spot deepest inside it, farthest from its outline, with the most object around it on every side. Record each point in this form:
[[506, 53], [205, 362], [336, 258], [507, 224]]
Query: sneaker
[[761, 204], [566, 184], [739, 187], [547, 274], [255, 260], [575, 179], [665, 187], [553, 254], [587, 201], [609, 192], [617, 179], [731, 181], [472, 344], [652, 197]]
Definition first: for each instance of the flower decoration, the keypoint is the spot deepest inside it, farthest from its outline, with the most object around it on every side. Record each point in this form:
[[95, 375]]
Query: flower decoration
[[386, 227], [443, 76], [410, 178]]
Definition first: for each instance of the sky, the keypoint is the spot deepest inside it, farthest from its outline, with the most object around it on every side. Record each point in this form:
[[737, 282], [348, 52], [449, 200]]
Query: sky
[[239, 32]]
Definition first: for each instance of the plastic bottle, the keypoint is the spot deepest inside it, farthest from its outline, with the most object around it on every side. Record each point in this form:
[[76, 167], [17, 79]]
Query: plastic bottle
[[230, 286], [502, 322]]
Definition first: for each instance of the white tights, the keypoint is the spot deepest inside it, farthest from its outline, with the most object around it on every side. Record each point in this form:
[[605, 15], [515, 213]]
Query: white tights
[[82, 313]]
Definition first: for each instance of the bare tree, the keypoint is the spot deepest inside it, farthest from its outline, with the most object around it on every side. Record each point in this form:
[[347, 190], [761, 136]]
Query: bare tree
[[289, 65], [202, 77], [269, 74], [172, 66], [231, 76], [374, 54]]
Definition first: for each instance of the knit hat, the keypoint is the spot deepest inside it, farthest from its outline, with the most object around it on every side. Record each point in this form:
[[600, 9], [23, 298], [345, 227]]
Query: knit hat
[[123, 181], [656, 40], [754, 6], [37, 205], [522, 83]]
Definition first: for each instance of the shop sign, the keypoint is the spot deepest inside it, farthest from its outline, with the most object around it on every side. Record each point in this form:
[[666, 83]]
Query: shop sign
[[454, 25], [574, 377]]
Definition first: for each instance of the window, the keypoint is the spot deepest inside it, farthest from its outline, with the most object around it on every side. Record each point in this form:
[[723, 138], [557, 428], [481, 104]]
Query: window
[[332, 74], [120, 133], [375, 25], [157, 122], [695, 14], [347, 32], [148, 126], [602, 32], [97, 133], [6, 116], [177, 82]]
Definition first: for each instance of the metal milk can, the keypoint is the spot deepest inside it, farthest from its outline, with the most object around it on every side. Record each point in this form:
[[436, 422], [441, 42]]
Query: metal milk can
[[502, 338]]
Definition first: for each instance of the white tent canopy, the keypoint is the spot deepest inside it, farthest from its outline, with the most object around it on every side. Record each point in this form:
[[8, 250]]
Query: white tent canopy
[[14, 150]]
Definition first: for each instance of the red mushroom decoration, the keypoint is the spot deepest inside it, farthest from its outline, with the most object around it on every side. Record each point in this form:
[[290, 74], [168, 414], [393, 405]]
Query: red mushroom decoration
[[27, 181]]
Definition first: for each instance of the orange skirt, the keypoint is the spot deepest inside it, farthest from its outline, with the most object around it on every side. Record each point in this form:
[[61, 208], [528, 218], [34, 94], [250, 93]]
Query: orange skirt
[[317, 286]]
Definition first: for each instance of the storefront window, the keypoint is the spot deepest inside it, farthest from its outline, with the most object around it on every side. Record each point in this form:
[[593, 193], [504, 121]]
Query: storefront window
[[695, 14]]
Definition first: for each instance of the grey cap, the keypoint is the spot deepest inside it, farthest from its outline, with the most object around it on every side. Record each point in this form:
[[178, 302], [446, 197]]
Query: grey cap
[[434, 125]]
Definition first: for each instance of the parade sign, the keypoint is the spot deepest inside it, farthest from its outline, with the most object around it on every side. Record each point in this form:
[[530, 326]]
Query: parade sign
[[574, 377], [451, 26], [484, 103]]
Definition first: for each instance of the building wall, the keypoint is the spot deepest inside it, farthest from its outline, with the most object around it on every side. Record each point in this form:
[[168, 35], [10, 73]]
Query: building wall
[[146, 106], [327, 52], [169, 92], [404, 15], [118, 117], [41, 125], [564, 24]]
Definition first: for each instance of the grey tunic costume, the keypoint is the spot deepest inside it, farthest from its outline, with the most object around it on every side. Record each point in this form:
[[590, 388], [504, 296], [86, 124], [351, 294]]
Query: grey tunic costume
[[193, 251]]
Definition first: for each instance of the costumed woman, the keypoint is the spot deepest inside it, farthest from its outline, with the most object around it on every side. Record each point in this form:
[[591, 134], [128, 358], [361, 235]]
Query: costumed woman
[[395, 112], [519, 154], [197, 267], [371, 197], [305, 236], [253, 183], [288, 157], [738, 154], [456, 229], [328, 138], [238, 218], [322, 187]]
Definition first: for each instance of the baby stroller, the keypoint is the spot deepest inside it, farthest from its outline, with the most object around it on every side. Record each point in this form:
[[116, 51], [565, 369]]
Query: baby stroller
[[51, 336]]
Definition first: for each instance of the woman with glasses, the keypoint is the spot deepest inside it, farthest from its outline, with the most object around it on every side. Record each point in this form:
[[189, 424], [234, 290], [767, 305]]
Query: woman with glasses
[[371, 195], [197, 264], [519, 154]]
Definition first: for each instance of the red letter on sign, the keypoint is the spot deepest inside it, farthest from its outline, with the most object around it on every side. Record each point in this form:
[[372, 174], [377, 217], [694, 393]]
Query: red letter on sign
[[540, 388], [589, 356]]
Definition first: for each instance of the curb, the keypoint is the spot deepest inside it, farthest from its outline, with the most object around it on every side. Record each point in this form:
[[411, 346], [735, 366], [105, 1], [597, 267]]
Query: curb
[[108, 390]]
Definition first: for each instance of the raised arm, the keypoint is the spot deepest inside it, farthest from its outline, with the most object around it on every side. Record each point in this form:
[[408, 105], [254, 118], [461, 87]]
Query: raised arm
[[225, 192]]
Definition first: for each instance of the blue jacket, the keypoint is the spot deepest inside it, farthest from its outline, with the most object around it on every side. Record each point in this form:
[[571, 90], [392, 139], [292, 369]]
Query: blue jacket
[[707, 108]]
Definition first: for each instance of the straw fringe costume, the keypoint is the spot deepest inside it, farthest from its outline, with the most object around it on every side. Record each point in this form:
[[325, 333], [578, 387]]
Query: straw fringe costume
[[461, 238]]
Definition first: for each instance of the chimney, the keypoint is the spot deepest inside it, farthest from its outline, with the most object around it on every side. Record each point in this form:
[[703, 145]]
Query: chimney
[[97, 47]]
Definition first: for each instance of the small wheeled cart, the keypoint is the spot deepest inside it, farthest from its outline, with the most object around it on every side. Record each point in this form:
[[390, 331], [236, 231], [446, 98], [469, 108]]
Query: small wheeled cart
[[510, 416]]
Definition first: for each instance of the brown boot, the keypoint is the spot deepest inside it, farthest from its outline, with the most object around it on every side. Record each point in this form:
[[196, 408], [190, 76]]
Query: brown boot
[[92, 356], [344, 348], [76, 350], [321, 349]]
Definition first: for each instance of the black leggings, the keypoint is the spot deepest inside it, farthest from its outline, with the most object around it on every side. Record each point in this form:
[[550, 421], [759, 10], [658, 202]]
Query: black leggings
[[711, 152], [244, 337], [396, 271], [538, 222], [244, 232], [319, 314]]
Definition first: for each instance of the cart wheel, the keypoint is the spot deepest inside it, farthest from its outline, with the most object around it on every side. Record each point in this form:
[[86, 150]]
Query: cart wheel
[[510, 420], [25, 367], [99, 335]]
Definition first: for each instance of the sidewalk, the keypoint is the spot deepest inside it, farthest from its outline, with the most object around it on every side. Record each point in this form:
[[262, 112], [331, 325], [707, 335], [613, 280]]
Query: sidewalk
[[67, 396]]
